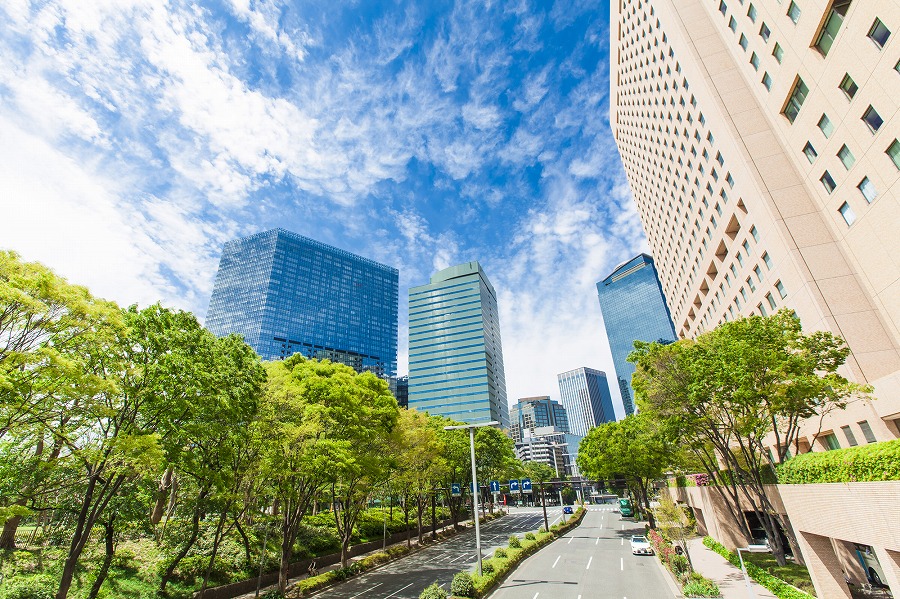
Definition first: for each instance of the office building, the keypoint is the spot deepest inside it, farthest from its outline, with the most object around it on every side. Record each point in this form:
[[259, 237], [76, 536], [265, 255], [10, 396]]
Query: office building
[[455, 354], [400, 388], [533, 412], [760, 140], [634, 309], [584, 393], [552, 447], [288, 294]]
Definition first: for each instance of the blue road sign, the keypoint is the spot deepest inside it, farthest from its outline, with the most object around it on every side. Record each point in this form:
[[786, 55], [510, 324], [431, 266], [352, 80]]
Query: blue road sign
[[455, 490], [472, 488], [495, 486], [514, 487], [526, 485]]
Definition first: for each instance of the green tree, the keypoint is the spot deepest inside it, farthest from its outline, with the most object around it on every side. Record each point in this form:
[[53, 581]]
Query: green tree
[[420, 466], [457, 459], [724, 394]]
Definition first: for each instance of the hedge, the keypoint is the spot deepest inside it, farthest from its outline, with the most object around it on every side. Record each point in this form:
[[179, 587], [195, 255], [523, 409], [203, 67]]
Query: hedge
[[780, 588], [864, 463]]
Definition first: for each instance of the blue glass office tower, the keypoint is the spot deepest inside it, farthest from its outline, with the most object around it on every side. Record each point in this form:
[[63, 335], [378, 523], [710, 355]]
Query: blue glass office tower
[[455, 356], [530, 413], [584, 393], [634, 309], [286, 294]]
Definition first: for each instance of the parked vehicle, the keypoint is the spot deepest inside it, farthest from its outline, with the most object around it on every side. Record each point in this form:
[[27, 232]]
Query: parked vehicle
[[870, 564], [568, 510], [641, 546]]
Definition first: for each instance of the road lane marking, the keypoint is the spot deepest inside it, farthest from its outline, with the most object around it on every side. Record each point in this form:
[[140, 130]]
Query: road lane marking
[[535, 595], [398, 590], [622, 541], [621, 563], [557, 559], [366, 591], [570, 540], [590, 559]]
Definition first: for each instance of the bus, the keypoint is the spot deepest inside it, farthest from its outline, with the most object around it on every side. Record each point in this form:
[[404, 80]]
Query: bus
[[625, 507]]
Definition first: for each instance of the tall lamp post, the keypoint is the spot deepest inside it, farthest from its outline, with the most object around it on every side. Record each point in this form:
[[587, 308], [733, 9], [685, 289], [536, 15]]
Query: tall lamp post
[[475, 489], [749, 549]]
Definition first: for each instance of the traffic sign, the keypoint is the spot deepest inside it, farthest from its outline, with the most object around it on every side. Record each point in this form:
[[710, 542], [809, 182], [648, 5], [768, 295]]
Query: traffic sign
[[526, 485], [514, 487], [495, 486], [472, 489], [455, 490]]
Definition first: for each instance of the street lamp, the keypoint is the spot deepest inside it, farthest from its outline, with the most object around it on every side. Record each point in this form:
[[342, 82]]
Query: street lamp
[[475, 488], [749, 549], [553, 447]]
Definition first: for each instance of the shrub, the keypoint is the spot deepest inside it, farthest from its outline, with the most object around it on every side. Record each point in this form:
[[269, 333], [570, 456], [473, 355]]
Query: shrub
[[501, 552], [530, 535], [31, 587], [514, 542], [273, 594], [487, 566], [698, 586], [873, 462], [679, 565], [433, 592], [462, 585], [542, 530]]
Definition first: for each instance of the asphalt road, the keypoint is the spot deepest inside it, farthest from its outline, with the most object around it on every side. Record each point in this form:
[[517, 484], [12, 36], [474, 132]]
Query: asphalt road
[[405, 578], [593, 561]]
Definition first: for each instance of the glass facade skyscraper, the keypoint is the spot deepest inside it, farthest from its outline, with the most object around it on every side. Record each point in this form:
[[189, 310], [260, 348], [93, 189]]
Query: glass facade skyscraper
[[585, 395], [634, 309], [530, 413], [455, 355], [288, 294]]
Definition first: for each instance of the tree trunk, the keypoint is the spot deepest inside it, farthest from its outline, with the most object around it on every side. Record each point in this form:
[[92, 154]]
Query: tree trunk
[[109, 537], [419, 508], [8, 536], [162, 497], [345, 552], [244, 539], [406, 520], [217, 538], [195, 532], [284, 568]]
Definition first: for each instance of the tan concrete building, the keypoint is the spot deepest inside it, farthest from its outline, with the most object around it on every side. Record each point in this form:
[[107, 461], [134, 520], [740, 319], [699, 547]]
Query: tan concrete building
[[760, 139]]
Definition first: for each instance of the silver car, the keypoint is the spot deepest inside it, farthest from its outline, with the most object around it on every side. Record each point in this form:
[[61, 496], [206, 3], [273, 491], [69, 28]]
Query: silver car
[[641, 546]]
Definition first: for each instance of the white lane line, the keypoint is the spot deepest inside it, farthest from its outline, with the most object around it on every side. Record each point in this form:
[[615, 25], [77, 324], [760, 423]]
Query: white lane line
[[570, 541], [621, 563], [366, 591], [459, 558], [622, 541], [398, 590], [623, 527], [590, 559], [555, 561], [535, 595], [597, 542]]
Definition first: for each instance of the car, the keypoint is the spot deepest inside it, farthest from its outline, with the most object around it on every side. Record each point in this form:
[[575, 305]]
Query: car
[[568, 510], [641, 546]]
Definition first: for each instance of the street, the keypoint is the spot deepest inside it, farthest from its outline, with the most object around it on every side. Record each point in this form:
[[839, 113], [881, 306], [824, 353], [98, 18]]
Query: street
[[592, 561]]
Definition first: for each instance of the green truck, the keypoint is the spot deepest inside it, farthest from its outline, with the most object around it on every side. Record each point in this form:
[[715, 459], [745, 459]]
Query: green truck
[[625, 507]]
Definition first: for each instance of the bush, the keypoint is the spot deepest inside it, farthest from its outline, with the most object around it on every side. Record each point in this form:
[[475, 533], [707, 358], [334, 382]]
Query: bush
[[530, 535], [487, 566], [433, 592], [501, 552], [462, 585], [679, 565], [698, 586], [31, 587], [864, 463], [514, 542]]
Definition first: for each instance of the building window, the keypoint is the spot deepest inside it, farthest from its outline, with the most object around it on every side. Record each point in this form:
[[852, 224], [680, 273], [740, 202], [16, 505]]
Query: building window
[[793, 12], [758, 272], [846, 156], [795, 100], [831, 26], [743, 41], [879, 33], [826, 126], [755, 233], [723, 8], [740, 260], [872, 119], [743, 294], [867, 188], [751, 284], [781, 291], [848, 86], [829, 440], [765, 32], [828, 182], [810, 152], [732, 24], [746, 246], [778, 52], [867, 431], [754, 60], [762, 309], [848, 214], [851, 439], [771, 301], [893, 152], [751, 12], [767, 260], [767, 81]]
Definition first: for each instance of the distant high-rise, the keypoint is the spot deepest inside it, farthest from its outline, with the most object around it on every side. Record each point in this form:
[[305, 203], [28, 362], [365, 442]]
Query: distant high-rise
[[536, 412], [634, 309], [455, 355], [288, 294], [400, 388], [585, 395]]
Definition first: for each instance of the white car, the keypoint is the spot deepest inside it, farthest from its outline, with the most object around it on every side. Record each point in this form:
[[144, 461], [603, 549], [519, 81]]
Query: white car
[[641, 546]]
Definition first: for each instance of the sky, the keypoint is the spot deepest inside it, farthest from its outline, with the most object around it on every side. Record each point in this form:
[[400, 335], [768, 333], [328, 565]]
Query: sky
[[137, 136]]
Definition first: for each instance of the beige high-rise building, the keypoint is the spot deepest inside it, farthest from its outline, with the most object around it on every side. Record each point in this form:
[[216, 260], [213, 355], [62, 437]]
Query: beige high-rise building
[[760, 139]]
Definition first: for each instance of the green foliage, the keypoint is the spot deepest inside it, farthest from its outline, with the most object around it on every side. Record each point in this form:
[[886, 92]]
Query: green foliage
[[780, 588], [529, 536], [487, 566], [433, 591], [501, 552], [874, 462], [699, 586], [30, 587], [462, 585], [514, 542]]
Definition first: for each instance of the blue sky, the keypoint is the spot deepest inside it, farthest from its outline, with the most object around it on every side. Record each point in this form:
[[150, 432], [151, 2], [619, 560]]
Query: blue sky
[[137, 136]]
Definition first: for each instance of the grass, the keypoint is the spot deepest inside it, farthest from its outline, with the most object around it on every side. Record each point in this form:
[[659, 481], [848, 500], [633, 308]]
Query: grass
[[792, 573]]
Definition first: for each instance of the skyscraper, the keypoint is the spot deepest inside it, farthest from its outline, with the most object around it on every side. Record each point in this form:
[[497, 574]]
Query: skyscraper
[[760, 140], [288, 294], [536, 412], [455, 355], [584, 393], [634, 309]]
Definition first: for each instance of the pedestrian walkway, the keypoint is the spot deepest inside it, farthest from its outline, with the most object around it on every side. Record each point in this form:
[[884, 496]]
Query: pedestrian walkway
[[729, 578]]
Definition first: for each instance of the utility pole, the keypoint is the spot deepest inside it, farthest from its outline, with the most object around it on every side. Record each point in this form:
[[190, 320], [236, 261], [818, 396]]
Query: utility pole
[[544, 505]]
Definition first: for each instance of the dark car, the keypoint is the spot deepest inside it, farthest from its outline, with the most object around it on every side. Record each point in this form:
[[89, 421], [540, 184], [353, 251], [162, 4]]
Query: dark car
[[568, 510]]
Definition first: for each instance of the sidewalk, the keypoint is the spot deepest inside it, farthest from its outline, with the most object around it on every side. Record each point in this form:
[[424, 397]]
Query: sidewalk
[[729, 578]]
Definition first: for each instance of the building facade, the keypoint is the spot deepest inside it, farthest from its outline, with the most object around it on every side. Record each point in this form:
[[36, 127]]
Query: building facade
[[529, 413], [634, 309], [455, 353], [552, 447], [288, 294], [760, 140], [584, 393]]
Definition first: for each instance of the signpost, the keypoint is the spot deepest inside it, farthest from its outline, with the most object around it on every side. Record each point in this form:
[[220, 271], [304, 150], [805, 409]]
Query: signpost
[[495, 486], [526, 485], [514, 487], [455, 490]]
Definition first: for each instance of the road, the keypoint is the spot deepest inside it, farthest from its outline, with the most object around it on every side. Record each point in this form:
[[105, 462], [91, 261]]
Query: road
[[406, 577], [592, 561]]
